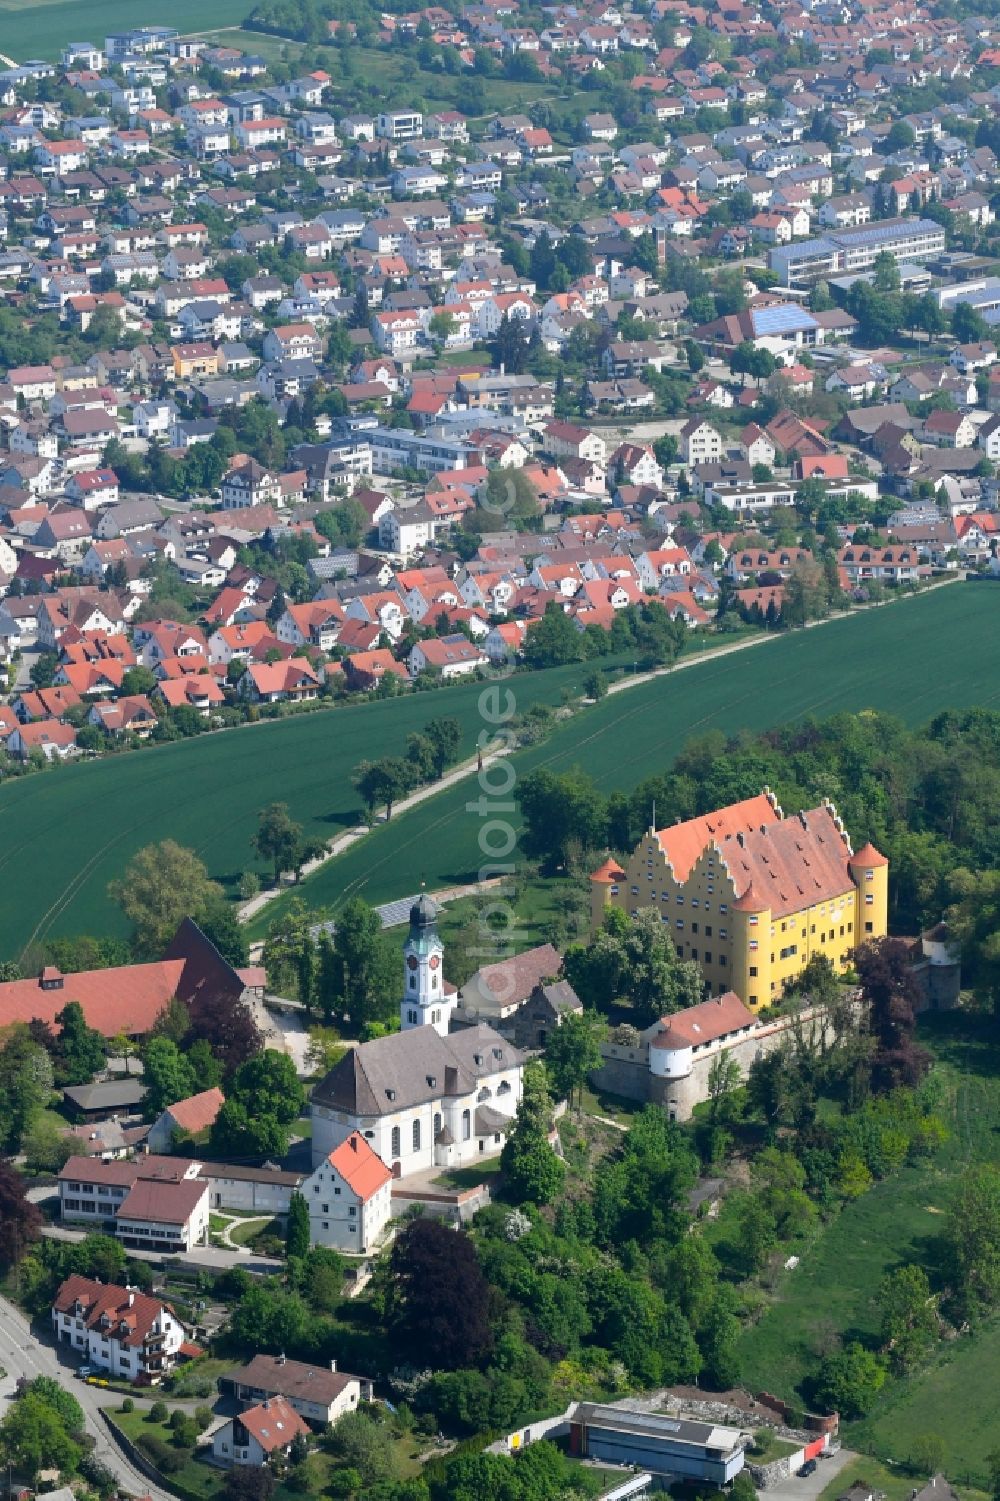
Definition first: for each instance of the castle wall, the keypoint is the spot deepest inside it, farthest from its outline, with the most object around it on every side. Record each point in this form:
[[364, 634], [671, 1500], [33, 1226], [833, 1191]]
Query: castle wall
[[625, 1071]]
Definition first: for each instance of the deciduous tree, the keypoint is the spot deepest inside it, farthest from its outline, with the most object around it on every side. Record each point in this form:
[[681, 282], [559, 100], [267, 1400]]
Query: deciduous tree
[[445, 735], [167, 1075], [889, 987], [532, 1171], [573, 1051], [278, 839], [972, 1239], [850, 1380], [162, 885], [80, 1049], [20, 1219], [440, 1299]]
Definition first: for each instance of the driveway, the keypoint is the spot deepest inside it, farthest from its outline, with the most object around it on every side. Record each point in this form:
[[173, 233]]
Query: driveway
[[21, 1354], [288, 1026], [810, 1487]]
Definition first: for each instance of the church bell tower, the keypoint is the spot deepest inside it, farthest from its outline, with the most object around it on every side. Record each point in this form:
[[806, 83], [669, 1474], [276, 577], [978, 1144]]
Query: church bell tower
[[424, 1001]]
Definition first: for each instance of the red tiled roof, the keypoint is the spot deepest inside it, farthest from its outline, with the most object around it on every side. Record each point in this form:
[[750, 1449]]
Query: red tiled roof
[[791, 864], [513, 980], [750, 901], [682, 843], [867, 855], [361, 1168], [133, 1315], [274, 1424], [162, 1203], [704, 1023], [198, 1111], [282, 677], [127, 999]]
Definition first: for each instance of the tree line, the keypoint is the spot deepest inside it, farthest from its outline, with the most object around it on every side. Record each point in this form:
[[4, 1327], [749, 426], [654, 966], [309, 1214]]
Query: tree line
[[924, 797]]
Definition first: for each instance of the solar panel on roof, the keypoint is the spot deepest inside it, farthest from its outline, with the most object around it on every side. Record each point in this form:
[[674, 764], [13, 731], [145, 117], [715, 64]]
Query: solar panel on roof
[[882, 233], [785, 318]]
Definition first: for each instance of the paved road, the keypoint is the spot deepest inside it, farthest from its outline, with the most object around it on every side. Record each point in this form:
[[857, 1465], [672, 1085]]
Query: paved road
[[344, 841], [21, 1354]]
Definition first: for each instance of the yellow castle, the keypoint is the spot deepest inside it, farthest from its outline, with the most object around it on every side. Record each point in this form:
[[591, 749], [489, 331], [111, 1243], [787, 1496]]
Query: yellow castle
[[753, 895]]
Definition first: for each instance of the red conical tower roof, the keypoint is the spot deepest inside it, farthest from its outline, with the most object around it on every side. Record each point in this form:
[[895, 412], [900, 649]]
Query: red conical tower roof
[[750, 901], [868, 855], [608, 873]]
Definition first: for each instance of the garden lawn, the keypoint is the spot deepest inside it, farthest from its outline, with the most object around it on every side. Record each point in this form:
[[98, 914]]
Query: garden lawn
[[895, 1487], [458, 1179], [194, 1479], [909, 658], [68, 831], [832, 1291]]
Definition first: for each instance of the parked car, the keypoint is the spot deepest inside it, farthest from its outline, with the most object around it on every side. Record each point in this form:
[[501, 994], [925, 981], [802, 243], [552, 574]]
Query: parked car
[[83, 1371], [809, 1468]]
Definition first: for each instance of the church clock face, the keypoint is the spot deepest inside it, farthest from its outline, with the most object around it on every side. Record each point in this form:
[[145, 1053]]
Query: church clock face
[[434, 961], [411, 963]]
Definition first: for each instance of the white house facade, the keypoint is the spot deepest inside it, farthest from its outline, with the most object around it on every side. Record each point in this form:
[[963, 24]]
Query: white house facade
[[349, 1197], [117, 1329]]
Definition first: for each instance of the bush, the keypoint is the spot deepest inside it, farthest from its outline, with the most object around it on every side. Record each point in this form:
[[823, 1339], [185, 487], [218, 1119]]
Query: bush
[[98, 1475], [185, 1433], [157, 1413], [162, 1456], [128, 1405]]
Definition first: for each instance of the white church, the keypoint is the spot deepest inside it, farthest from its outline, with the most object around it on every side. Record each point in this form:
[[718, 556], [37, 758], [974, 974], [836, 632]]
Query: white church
[[423, 1097]]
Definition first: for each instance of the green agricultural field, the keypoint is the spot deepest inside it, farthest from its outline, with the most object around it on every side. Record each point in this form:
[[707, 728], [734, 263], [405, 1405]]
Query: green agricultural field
[[910, 658], [65, 833], [832, 1291], [32, 29]]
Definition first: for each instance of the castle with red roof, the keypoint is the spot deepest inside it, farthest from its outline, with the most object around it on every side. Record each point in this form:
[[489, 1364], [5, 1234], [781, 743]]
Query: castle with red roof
[[752, 895]]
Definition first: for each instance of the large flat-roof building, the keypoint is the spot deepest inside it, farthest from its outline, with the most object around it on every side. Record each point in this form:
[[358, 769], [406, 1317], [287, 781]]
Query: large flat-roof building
[[679, 1447], [850, 250]]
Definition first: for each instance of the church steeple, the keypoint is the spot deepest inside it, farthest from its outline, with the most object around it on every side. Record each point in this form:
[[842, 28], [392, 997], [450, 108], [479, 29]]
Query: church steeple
[[424, 1003]]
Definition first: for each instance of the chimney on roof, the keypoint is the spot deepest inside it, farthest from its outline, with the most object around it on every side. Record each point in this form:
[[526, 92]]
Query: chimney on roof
[[354, 1142], [281, 1358], [333, 1365]]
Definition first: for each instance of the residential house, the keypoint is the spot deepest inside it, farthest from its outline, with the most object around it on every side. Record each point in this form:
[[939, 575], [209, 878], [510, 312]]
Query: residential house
[[700, 442], [185, 1118], [349, 1195], [132, 1336], [276, 682], [259, 1435], [450, 656]]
